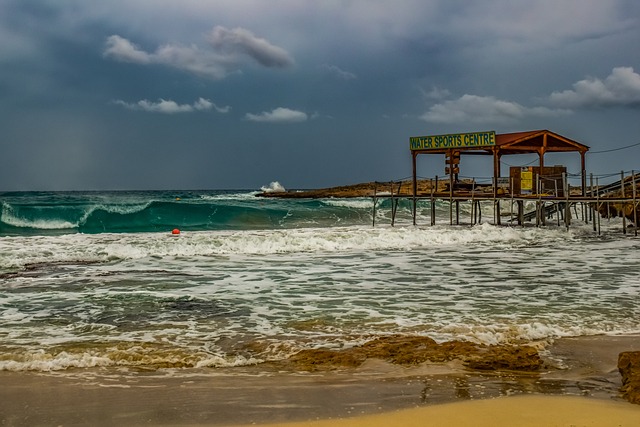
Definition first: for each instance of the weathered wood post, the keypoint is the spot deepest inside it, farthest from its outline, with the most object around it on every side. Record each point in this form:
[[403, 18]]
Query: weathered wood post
[[414, 185], [623, 204], [393, 211], [594, 209], [567, 208], [598, 205], [375, 201], [473, 203], [635, 208], [433, 203]]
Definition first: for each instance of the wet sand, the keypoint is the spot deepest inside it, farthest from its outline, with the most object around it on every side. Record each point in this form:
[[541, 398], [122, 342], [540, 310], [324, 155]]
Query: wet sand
[[580, 377]]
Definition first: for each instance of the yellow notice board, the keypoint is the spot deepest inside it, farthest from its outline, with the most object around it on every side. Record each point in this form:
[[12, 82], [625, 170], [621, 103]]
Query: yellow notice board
[[526, 180]]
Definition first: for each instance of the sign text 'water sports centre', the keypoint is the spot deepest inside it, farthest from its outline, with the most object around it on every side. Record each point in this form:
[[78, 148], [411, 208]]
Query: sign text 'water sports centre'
[[456, 140]]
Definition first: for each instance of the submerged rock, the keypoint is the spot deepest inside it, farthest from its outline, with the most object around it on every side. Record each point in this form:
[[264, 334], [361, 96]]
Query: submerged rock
[[629, 367], [413, 350]]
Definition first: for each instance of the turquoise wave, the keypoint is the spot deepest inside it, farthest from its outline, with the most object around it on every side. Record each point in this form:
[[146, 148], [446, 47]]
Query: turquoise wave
[[130, 212]]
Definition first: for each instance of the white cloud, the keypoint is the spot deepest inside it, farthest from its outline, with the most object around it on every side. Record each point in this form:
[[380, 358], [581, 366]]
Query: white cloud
[[187, 58], [172, 107], [278, 115], [122, 49], [483, 109], [338, 72], [229, 47], [620, 88]]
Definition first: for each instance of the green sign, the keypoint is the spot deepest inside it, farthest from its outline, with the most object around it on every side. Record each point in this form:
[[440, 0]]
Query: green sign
[[454, 140]]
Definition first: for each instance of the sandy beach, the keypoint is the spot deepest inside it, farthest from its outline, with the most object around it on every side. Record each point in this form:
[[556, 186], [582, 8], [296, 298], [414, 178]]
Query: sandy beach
[[523, 411]]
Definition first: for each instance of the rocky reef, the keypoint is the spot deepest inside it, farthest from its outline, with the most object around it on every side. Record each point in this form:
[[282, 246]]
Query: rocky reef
[[367, 189], [619, 209], [408, 350], [629, 367]]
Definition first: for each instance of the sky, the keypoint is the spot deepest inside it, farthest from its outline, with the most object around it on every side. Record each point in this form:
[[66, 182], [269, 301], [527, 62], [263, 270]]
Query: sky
[[235, 94]]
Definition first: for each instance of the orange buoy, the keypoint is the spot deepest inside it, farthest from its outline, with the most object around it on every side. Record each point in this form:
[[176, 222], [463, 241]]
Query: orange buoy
[[175, 231]]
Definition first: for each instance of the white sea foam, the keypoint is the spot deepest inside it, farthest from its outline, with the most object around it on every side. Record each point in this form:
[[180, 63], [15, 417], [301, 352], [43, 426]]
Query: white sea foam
[[21, 251], [242, 196], [204, 298], [43, 361], [350, 203]]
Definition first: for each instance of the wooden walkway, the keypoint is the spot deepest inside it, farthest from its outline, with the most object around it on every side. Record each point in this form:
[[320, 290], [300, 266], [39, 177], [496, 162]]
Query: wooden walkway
[[598, 202]]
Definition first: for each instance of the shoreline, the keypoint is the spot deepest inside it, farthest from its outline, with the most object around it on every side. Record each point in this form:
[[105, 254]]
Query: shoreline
[[253, 395]]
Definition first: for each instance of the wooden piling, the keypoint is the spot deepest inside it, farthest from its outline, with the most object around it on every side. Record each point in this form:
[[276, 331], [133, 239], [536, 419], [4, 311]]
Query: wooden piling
[[393, 210], [593, 211], [598, 204], [635, 207], [375, 201], [567, 208], [433, 205], [624, 217]]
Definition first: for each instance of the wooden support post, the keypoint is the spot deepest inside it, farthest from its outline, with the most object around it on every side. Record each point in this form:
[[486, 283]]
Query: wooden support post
[[557, 194], [594, 210], [543, 212], [393, 211], [375, 200], [433, 204], [473, 202], [567, 207], [451, 199], [414, 186], [520, 212], [395, 206], [538, 213], [635, 207], [511, 207], [598, 205], [624, 217]]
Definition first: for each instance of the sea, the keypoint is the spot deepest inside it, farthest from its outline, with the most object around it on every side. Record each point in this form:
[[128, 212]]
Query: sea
[[177, 281]]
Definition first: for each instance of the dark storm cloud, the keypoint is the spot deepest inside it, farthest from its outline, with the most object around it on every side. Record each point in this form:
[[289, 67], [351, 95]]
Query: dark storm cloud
[[229, 45], [94, 96], [242, 41]]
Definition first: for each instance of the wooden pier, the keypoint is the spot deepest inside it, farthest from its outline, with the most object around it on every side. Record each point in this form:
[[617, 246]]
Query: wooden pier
[[545, 186], [566, 204]]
